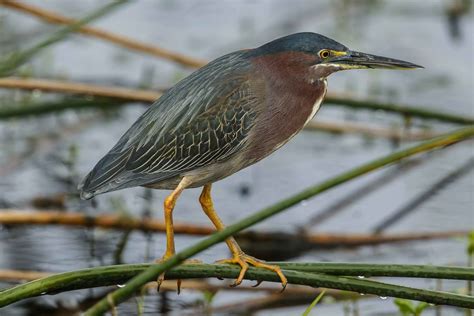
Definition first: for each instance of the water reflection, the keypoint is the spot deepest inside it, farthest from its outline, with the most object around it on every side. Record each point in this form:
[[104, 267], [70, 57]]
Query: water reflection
[[45, 157]]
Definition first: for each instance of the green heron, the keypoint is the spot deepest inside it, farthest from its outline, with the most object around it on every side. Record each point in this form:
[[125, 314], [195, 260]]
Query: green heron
[[226, 116]]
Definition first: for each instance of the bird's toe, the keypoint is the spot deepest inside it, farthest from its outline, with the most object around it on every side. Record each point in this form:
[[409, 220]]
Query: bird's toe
[[244, 260]]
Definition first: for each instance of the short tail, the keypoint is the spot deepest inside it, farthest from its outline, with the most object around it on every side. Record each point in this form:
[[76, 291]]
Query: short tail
[[87, 190], [108, 174], [83, 192]]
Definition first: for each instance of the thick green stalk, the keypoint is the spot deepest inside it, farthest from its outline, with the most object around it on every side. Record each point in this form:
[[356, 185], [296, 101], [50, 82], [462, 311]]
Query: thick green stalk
[[399, 109], [131, 95], [117, 101], [381, 270], [154, 271], [19, 58], [111, 275]]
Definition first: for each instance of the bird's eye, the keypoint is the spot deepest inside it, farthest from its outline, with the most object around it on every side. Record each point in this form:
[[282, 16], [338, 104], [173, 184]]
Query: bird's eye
[[324, 53]]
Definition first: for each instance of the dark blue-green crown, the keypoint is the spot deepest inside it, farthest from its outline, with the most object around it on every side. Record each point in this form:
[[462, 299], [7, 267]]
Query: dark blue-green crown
[[305, 42]]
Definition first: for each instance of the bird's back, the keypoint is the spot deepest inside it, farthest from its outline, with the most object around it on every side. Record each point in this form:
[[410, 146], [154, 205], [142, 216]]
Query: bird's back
[[204, 118]]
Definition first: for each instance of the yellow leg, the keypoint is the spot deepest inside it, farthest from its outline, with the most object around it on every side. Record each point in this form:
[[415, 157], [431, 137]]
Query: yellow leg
[[169, 205], [238, 256]]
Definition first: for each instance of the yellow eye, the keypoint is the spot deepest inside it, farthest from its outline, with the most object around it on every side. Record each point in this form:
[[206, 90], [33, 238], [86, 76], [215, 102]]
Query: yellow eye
[[324, 53]]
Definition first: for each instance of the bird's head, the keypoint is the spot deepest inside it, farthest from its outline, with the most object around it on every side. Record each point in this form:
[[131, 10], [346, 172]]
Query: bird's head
[[322, 56]]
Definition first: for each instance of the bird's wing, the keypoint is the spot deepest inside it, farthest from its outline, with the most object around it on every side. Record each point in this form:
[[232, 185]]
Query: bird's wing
[[204, 119]]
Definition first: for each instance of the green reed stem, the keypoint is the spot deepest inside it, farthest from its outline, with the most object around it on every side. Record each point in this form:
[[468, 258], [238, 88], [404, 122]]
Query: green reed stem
[[409, 111], [297, 273], [155, 270], [17, 59], [51, 107]]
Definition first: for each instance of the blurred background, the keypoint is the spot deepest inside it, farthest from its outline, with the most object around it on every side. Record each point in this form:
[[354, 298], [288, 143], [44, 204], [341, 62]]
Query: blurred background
[[43, 157]]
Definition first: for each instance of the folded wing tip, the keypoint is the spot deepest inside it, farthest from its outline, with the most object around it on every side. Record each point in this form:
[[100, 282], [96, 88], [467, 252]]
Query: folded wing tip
[[83, 193], [86, 195]]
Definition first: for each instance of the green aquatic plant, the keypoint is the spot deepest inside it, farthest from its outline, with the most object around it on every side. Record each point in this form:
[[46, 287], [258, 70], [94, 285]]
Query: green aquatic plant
[[408, 308], [10, 62], [314, 303]]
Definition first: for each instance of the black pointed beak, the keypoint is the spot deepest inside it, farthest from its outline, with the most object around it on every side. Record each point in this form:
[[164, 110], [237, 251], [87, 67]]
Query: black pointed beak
[[358, 60]]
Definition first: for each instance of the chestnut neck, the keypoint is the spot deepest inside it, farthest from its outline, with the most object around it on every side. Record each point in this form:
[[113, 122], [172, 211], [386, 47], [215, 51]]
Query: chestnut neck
[[290, 96]]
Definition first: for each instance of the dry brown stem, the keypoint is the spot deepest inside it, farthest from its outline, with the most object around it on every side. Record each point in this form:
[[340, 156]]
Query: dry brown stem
[[79, 88], [111, 221], [123, 41]]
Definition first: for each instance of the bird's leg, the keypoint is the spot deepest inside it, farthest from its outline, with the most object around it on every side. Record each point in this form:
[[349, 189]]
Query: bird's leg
[[169, 204], [238, 256]]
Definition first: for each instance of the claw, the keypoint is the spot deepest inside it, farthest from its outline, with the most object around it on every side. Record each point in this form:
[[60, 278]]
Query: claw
[[244, 260], [178, 286], [159, 280], [161, 277], [258, 283]]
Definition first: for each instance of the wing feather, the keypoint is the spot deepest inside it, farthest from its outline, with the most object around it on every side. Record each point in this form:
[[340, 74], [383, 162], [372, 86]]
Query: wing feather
[[205, 118]]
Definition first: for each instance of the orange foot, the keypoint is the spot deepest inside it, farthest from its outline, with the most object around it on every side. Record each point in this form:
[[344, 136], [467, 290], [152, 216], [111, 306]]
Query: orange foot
[[161, 277], [244, 260]]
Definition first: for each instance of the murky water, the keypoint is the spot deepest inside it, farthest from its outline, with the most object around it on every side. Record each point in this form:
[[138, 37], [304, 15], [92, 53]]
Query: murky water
[[408, 30]]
